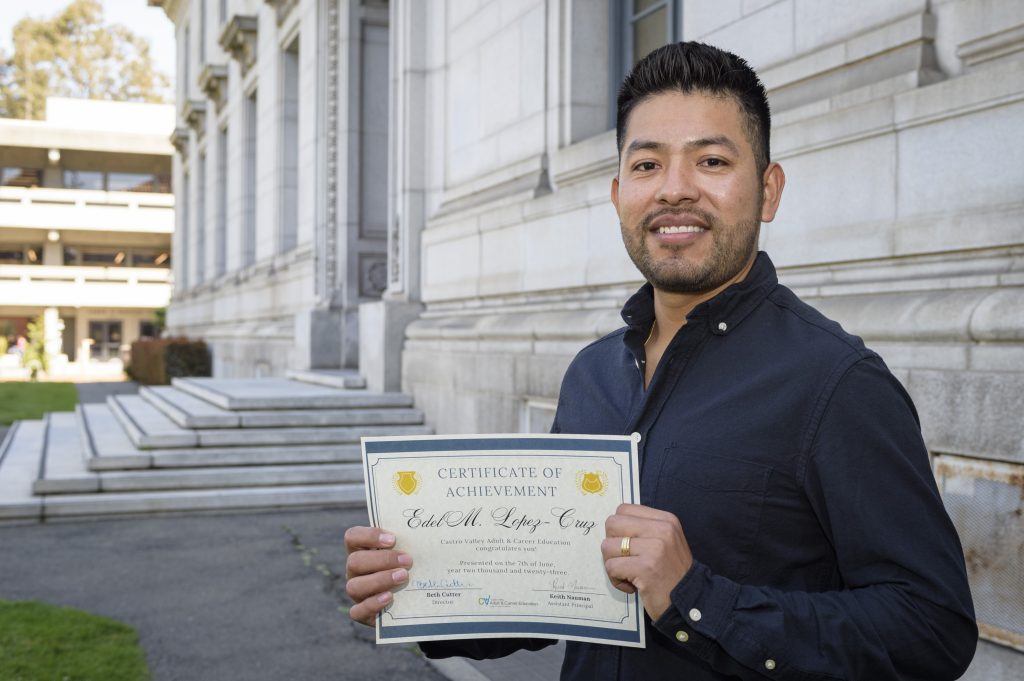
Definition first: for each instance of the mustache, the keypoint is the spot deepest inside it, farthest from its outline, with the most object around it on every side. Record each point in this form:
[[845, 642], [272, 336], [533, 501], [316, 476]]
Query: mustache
[[705, 217]]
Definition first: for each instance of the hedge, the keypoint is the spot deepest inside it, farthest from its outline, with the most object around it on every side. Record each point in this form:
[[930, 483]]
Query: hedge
[[155, 361]]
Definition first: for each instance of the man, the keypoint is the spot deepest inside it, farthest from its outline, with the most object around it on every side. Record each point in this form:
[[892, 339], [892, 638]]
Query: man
[[792, 528]]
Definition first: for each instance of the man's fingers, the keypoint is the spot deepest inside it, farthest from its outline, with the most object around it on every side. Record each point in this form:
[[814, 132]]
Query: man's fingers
[[614, 568], [370, 586], [358, 538], [641, 511], [368, 562], [365, 611]]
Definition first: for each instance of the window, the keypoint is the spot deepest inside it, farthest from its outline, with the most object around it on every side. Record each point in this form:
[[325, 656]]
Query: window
[[248, 240], [21, 254], [182, 281], [106, 336], [150, 258], [288, 235], [646, 25], [148, 330], [220, 239], [201, 221], [117, 182], [131, 182], [21, 177], [84, 179], [104, 258], [202, 31]]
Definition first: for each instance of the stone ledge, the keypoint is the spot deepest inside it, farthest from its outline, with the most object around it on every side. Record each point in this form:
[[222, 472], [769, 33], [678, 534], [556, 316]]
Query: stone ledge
[[971, 413]]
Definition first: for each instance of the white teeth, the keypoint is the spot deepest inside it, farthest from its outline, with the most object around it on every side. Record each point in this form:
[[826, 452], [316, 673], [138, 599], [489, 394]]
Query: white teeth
[[681, 229]]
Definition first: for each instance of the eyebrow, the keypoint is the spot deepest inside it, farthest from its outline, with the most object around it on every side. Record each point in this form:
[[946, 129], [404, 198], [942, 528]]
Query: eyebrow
[[651, 145]]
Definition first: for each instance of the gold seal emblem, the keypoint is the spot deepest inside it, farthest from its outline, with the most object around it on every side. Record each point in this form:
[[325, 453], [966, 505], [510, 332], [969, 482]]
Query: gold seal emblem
[[592, 482], [407, 482]]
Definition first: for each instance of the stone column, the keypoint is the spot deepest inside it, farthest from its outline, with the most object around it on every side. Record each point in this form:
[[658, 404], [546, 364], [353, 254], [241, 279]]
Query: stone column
[[382, 323]]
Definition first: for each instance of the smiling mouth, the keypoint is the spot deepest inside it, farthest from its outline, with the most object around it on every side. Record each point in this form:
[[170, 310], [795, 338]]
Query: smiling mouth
[[681, 229]]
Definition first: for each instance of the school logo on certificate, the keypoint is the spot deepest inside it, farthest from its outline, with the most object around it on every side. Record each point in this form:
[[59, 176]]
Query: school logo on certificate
[[592, 483], [407, 482]]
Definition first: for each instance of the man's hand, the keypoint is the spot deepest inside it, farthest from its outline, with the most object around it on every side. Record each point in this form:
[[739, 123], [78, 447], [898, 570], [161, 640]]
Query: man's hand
[[658, 557], [372, 570]]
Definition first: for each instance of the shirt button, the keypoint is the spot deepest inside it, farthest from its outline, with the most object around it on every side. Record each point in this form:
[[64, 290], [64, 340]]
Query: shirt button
[[722, 326], [769, 664], [695, 615], [682, 636]]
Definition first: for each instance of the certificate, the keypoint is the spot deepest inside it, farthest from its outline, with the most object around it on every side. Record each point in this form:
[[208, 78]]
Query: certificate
[[505, 533]]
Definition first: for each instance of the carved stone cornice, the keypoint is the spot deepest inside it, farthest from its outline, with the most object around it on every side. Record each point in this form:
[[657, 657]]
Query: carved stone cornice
[[282, 8], [213, 80], [170, 7], [194, 114], [179, 140], [238, 38]]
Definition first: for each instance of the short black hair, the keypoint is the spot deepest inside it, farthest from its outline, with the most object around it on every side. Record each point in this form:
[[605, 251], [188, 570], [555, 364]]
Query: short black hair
[[697, 67]]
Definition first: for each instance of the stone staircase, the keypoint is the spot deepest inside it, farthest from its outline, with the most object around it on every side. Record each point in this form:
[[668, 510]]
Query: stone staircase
[[201, 444]]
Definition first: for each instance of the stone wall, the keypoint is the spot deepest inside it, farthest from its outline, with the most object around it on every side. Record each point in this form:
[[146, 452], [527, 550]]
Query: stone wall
[[900, 125]]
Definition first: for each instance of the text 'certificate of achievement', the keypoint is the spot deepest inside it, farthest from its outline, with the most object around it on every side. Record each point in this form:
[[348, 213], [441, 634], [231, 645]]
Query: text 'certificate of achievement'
[[505, 534]]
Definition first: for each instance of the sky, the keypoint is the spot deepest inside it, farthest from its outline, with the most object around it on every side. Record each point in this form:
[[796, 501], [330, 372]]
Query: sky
[[137, 15]]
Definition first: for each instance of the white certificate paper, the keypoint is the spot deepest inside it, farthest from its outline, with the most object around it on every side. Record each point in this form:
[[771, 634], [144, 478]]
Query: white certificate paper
[[505, 533]]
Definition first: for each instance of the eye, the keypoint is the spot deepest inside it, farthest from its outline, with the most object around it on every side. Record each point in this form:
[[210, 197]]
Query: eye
[[714, 163], [645, 166]]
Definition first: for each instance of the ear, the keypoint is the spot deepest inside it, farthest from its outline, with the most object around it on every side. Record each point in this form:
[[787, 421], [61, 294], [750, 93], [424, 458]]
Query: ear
[[774, 181], [615, 193]]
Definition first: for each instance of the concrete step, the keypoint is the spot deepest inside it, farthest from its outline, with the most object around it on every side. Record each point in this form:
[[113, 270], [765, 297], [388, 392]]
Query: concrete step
[[132, 503], [105, 443], [207, 478], [257, 437], [333, 378], [107, 447], [64, 468], [188, 411], [21, 454], [254, 456], [280, 393], [148, 427]]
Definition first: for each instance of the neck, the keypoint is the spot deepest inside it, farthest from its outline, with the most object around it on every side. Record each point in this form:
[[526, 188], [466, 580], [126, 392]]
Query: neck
[[671, 309]]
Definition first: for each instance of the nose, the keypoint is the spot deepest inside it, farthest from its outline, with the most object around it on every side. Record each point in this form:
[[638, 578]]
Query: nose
[[678, 185]]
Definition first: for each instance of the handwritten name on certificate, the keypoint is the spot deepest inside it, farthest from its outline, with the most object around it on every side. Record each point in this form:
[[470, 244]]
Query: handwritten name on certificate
[[505, 534]]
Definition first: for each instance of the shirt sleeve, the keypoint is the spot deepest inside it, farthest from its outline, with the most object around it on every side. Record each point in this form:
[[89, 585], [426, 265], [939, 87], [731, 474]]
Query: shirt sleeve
[[904, 612]]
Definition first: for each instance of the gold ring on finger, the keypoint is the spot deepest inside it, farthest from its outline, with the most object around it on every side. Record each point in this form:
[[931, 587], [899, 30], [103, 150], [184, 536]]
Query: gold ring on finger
[[624, 546]]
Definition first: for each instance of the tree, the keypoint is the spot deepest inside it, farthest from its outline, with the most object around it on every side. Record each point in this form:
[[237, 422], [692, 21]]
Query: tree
[[34, 358], [75, 54]]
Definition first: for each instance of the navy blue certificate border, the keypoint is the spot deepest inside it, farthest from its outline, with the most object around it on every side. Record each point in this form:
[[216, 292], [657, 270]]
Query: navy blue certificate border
[[453, 447]]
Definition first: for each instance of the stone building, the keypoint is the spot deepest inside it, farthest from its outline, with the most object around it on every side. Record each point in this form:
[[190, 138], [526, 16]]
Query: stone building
[[419, 189], [86, 217]]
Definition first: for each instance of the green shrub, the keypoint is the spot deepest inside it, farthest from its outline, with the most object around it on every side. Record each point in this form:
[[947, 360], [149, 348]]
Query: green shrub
[[155, 361]]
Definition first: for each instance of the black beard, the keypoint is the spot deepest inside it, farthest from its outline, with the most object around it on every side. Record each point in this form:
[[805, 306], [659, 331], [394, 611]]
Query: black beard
[[725, 262]]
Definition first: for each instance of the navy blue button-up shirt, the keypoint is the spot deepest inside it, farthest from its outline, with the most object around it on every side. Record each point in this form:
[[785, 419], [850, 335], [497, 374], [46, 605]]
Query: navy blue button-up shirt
[[794, 461]]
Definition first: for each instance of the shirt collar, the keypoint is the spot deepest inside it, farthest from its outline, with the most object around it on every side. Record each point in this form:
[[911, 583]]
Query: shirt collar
[[722, 314]]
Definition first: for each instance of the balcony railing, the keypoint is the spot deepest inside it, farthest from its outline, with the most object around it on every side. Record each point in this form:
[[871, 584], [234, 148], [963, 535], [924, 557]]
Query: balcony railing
[[45, 208], [124, 287]]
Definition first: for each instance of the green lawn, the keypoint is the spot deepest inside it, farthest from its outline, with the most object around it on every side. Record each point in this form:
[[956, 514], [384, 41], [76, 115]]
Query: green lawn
[[20, 400], [40, 641]]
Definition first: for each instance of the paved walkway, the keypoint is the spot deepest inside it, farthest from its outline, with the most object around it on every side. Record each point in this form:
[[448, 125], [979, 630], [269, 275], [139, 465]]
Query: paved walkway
[[237, 596], [228, 597]]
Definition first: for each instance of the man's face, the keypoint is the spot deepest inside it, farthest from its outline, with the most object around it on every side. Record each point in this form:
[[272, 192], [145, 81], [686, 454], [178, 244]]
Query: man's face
[[689, 197]]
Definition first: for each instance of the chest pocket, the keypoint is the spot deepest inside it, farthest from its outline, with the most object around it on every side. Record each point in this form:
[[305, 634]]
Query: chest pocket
[[719, 501]]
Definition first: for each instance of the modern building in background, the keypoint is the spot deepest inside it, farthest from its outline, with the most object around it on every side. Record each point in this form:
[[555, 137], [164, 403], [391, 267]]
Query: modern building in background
[[86, 218], [420, 189]]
